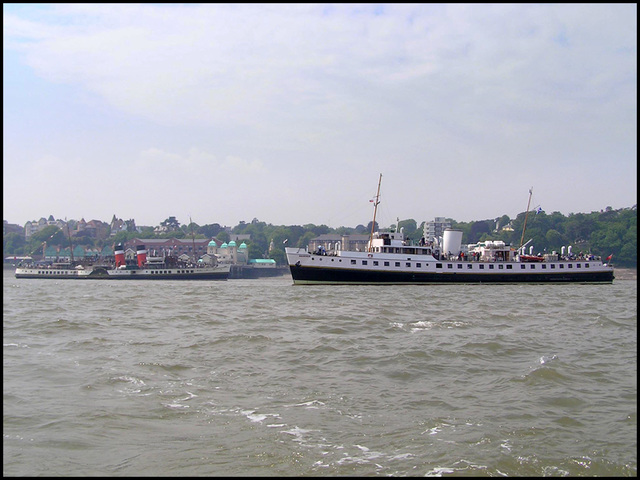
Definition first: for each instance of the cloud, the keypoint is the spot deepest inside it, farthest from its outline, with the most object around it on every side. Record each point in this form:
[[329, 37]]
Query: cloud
[[194, 162], [251, 64], [448, 97]]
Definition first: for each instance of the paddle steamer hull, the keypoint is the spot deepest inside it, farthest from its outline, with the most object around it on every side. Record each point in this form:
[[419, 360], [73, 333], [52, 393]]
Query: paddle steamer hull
[[217, 273]]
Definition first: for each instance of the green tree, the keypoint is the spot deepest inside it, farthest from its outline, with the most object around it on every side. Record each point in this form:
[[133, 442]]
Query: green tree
[[210, 231], [279, 256], [13, 244], [479, 228], [410, 229], [305, 239], [255, 251], [171, 223], [223, 236], [554, 239]]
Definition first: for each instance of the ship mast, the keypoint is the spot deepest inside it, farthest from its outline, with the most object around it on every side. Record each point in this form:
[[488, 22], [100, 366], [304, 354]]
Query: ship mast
[[375, 210], [525, 218]]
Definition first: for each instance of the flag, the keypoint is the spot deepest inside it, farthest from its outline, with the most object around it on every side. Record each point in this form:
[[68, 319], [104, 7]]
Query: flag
[[609, 257], [538, 210]]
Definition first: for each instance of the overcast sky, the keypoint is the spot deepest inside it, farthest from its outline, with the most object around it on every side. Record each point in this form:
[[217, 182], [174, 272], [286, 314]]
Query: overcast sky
[[289, 113]]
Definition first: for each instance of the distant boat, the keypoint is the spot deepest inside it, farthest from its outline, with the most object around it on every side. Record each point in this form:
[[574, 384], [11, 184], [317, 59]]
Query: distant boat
[[391, 259], [153, 268]]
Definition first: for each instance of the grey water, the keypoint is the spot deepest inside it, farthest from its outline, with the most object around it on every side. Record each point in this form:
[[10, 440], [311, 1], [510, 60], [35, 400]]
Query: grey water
[[264, 378]]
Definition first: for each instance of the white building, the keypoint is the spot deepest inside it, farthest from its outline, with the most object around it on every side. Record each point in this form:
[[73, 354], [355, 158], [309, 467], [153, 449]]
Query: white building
[[229, 252], [434, 230]]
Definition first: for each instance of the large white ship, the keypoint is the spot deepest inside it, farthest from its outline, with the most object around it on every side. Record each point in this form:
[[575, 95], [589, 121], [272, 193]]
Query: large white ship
[[390, 259]]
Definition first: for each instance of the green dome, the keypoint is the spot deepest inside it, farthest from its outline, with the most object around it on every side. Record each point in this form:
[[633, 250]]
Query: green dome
[[224, 245], [213, 244], [243, 245], [232, 243]]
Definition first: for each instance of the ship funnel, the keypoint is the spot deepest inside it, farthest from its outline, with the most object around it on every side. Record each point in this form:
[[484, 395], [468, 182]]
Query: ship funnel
[[119, 253], [141, 254], [451, 241]]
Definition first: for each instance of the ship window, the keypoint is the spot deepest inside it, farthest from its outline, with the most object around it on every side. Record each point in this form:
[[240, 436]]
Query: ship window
[[509, 267], [481, 267], [544, 267], [386, 264], [552, 266], [491, 266], [397, 264], [569, 266], [577, 265], [449, 265], [408, 264], [459, 265], [586, 265], [533, 267], [375, 263], [523, 267], [418, 265], [469, 266], [438, 265], [364, 262], [353, 262], [500, 267], [561, 265]]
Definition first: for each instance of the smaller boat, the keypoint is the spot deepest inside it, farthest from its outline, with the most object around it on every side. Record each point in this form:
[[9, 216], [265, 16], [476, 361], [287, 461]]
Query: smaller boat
[[58, 270], [130, 272], [153, 268]]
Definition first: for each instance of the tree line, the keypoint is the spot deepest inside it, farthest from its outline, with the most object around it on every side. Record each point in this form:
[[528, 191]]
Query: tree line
[[609, 232]]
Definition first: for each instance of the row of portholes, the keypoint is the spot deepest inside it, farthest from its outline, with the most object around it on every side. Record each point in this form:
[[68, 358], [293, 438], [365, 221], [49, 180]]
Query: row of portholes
[[160, 272]]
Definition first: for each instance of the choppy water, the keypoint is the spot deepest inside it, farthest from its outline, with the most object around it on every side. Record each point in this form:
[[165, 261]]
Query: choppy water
[[260, 377]]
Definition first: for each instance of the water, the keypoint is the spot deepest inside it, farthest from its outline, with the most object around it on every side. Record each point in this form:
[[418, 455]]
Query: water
[[263, 378]]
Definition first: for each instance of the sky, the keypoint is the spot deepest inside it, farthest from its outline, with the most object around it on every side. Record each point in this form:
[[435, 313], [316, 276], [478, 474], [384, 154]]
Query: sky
[[289, 113]]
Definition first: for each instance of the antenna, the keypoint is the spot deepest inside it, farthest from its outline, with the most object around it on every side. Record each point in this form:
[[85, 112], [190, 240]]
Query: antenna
[[525, 218], [375, 210]]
